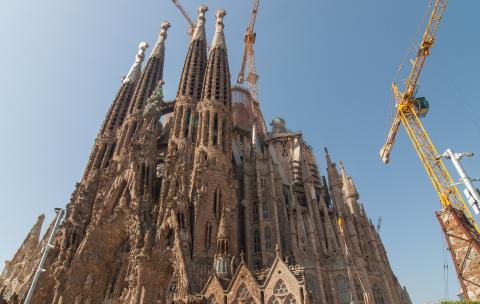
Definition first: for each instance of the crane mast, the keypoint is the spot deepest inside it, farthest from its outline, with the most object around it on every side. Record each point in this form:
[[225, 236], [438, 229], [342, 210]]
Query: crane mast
[[248, 61], [460, 229]]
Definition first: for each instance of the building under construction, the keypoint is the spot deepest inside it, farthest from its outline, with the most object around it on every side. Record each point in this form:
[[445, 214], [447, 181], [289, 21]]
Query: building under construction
[[195, 201]]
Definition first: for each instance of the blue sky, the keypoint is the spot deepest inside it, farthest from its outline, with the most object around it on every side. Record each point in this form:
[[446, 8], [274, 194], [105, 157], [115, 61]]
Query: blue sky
[[326, 66]]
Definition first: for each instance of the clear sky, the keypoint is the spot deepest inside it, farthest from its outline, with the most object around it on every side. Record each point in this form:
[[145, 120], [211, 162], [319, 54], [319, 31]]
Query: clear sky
[[326, 66]]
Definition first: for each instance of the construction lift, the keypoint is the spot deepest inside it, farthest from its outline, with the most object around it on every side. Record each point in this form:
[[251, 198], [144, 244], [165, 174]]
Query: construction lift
[[459, 227]]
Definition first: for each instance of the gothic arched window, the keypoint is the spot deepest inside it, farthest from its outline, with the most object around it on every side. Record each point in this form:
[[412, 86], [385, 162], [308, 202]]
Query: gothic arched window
[[208, 235], [378, 295], [206, 124], [256, 241], [255, 212], [224, 135], [266, 213], [268, 238], [178, 120], [343, 291], [280, 288], [215, 129], [359, 292], [215, 202], [312, 292], [187, 123]]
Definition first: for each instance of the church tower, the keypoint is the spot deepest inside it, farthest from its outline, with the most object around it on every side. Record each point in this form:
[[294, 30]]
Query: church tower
[[148, 81], [204, 205], [213, 184], [106, 140], [181, 143]]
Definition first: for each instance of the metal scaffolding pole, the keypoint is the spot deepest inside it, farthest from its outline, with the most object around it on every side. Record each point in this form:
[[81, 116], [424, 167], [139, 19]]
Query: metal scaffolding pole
[[60, 213], [471, 192]]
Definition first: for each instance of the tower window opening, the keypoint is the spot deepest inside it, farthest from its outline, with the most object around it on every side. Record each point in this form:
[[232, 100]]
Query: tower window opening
[[205, 128], [255, 212], [187, 123], [266, 213], [343, 290], [181, 220], [224, 135], [256, 241], [215, 196], [208, 236], [215, 129], [268, 238]]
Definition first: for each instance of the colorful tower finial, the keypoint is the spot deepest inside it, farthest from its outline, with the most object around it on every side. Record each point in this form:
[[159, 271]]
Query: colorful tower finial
[[219, 38], [135, 70], [161, 38], [199, 32]]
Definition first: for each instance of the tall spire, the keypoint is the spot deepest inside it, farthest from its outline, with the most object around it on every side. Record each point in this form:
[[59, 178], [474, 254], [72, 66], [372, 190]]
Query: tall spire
[[152, 73], [349, 186], [135, 70], [191, 80], [105, 145], [327, 156], [217, 79]]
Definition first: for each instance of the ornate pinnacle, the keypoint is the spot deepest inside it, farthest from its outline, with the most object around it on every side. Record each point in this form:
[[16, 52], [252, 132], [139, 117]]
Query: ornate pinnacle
[[199, 32], [219, 37], [219, 15], [161, 38], [163, 31], [134, 72], [202, 9]]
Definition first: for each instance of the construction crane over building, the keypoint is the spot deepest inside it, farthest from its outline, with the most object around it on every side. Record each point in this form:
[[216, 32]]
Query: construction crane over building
[[458, 225], [248, 61]]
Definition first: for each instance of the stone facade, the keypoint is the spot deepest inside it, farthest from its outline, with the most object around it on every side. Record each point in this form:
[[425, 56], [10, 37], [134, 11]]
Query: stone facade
[[192, 201]]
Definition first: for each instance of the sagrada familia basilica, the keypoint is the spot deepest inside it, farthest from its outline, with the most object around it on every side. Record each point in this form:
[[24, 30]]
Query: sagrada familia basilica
[[195, 201]]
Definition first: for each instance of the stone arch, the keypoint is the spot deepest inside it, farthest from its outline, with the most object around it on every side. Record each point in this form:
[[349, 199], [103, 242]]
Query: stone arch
[[343, 290]]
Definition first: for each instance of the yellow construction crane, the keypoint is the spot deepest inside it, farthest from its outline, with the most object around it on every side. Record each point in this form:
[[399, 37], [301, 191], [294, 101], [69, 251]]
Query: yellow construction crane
[[249, 55], [186, 15], [248, 60], [460, 229]]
